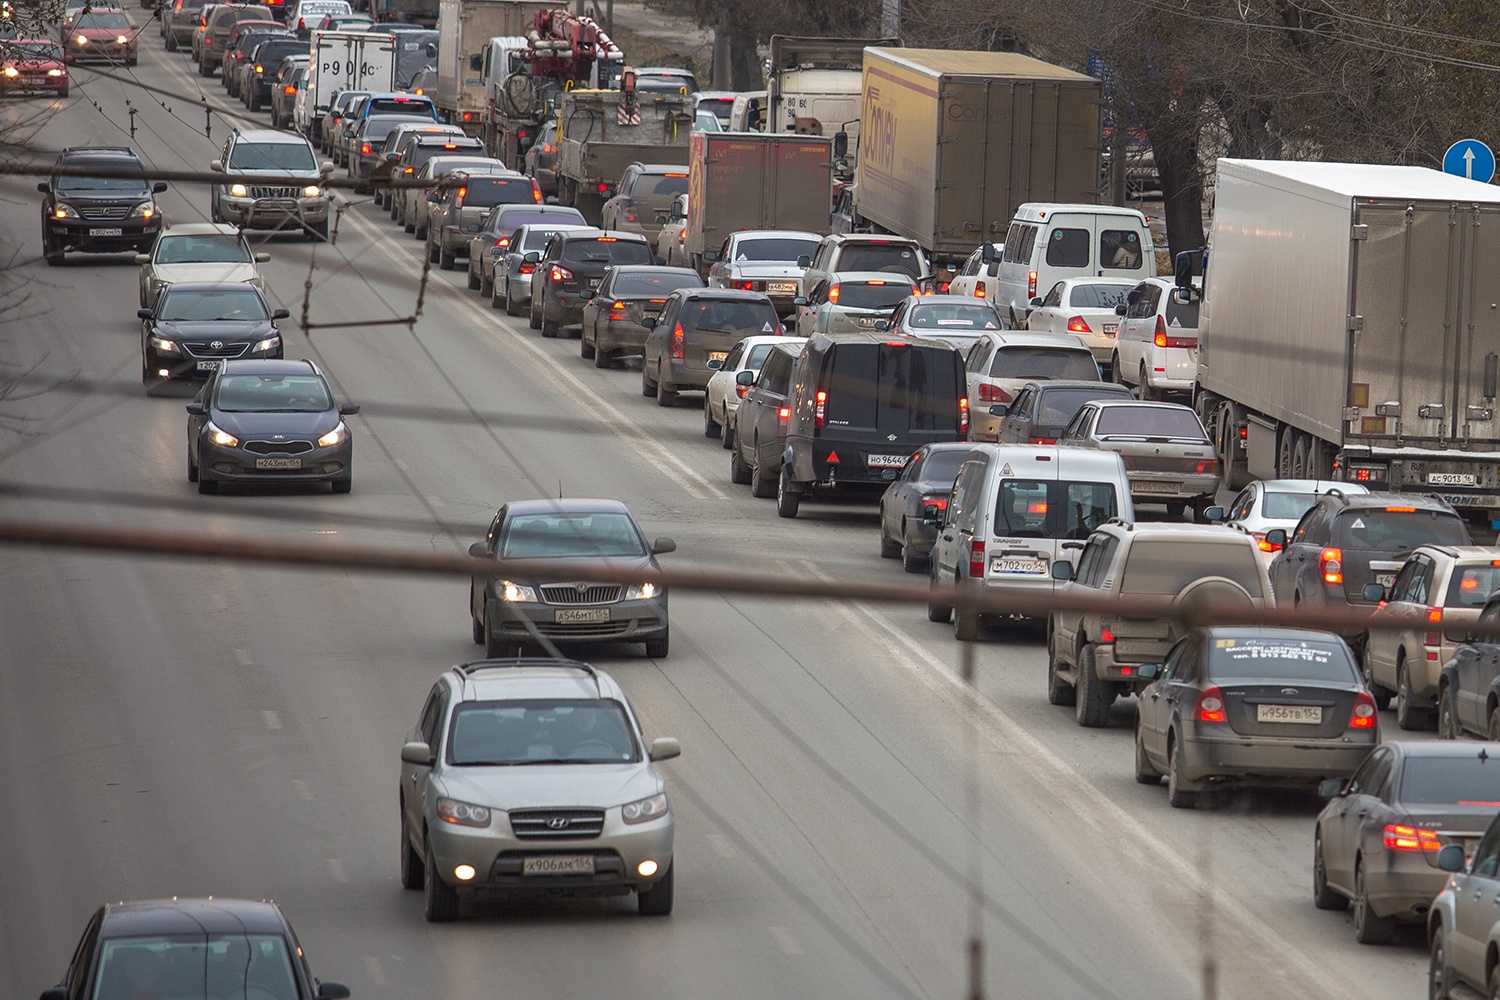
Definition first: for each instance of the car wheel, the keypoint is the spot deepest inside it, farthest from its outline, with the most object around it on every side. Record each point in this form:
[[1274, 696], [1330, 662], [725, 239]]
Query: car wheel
[[1381, 695], [474, 282], [476, 627], [54, 257], [343, 485], [510, 303], [432, 253], [664, 395], [1115, 374], [1093, 695], [910, 561], [1143, 388], [207, 487], [1178, 796], [318, 231], [657, 649], [439, 901], [966, 623], [1447, 727], [548, 329], [487, 287], [788, 496], [446, 260], [739, 472], [1438, 977], [536, 317], [606, 359], [408, 228], [889, 548], [726, 434], [1369, 928], [1059, 692], [1492, 729], [419, 233], [494, 648], [192, 472], [710, 428], [1144, 772], [762, 487], [1408, 716], [413, 871], [657, 900], [1324, 897]]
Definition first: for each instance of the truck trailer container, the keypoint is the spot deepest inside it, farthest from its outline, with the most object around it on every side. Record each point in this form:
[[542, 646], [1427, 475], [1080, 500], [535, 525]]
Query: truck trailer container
[[345, 60], [465, 28]]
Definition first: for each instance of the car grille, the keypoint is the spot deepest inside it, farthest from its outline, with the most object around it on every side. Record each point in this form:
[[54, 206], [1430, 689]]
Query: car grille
[[206, 349], [278, 447], [581, 630], [590, 594], [557, 824], [102, 212], [273, 192]]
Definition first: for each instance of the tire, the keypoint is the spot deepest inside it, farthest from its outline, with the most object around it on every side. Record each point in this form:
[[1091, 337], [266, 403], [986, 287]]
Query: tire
[[439, 901], [1447, 714], [536, 317], [1493, 724], [726, 436], [1093, 697], [510, 303], [474, 282], [763, 487], [787, 499], [408, 228], [1143, 388], [486, 288], [318, 231], [1177, 796], [888, 549], [432, 250], [54, 257], [254, 101], [208, 487], [1368, 928], [1493, 990], [343, 486], [192, 472], [1059, 692], [606, 359], [664, 396], [1367, 669], [171, 46], [476, 627], [413, 871], [205, 70], [445, 259], [586, 350], [909, 562], [1408, 716], [710, 428], [549, 330], [1324, 898], [657, 900], [657, 649], [739, 473], [1114, 369], [419, 233], [966, 624], [1145, 774], [1438, 977]]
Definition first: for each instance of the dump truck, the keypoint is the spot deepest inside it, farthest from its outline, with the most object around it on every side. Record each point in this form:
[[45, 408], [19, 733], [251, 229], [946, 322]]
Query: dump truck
[[601, 132], [954, 141], [1347, 328], [465, 28], [750, 180]]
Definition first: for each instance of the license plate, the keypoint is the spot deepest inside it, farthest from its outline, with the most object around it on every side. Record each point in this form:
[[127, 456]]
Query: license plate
[[886, 461], [1385, 579], [593, 283], [581, 615], [1450, 479], [105, 232], [1019, 567], [1148, 486], [208, 366], [717, 355], [1110, 328], [781, 287], [278, 463], [558, 864], [867, 321], [1302, 715]]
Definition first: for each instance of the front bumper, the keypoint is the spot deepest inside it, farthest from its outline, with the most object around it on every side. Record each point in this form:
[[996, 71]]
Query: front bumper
[[273, 213], [316, 465], [93, 236], [564, 306], [628, 621], [100, 52], [28, 83], [183, 364], [1268, 760]]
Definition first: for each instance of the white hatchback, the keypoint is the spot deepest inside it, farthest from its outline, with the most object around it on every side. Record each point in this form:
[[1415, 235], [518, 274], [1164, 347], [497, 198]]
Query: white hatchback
[[1084, 307], [1156, 348], [722, 398]]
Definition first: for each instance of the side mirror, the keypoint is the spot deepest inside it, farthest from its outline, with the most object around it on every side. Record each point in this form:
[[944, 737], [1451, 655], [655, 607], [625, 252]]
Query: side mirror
[[999, 409], [432, 198], [144, 313], [534, 257], [882, 324], [262, 258], [196, 408], [1119, 310], [498, 251], [348, 409], [1374, 593], [1062, 570], [1215, 513], [158, 187], [799, 301], [988, 254], [325, 168], [1451, 858], [213, 165], [479, 550], [714, 364], [416, 752], [45, 188], [472, 227], [662, 546], [804, 261], [1182, 296], [1186, 266], [665, 748], [280, 313], [840, 144], [1036, 300], [745, 377], [330, 990], [710, 255], [393, 156], [1330, 788], [56, 993], [932, 514], [1276, 536], [143, 258], [649, 322], [1148, 671], [661, 220]]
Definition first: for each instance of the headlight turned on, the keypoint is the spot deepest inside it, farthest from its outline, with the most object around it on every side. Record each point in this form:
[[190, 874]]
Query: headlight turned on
[[334, 436], [271, 343], [516, 592], [238, 190], [311, 191], [221, 437], [645, 810], [462, 813], [641, 591]]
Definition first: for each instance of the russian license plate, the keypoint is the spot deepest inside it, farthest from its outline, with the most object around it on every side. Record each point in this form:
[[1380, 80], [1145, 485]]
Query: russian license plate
[[581, 615], [208, 366], [1450, 479], [558, 864], [1019, 567], [717, 355], [866, 321], [278, 463], [1385, 579], [781, 287], [1111, 328], [593, 282], [886, 461], [1302, 715], [104, 232], [1150, 486]]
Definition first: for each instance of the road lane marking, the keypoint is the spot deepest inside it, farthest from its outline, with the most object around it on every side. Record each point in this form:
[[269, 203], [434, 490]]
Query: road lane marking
[[272, 720], [786, 940]]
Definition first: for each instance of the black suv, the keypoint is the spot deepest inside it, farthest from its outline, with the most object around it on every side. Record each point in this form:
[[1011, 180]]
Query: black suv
[[1347, 541], [570, 269], [99, 214]]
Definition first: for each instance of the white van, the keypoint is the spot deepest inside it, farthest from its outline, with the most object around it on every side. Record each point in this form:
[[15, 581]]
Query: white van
[[1049, 242], [1015, 510]]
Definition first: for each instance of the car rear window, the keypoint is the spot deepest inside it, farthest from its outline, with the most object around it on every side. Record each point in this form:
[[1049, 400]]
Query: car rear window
[[1057, 407], [540, 731], [654, 283], [511, 219], [881, 257], [1471, 586], [1164, 566], [1280, 659], [1042, 509], [1288, 506], [942, 466], [487, 192], [1177, 423], [938, 317], [273, 52], [606, 250], [1068, 248], [1032, 362], [725, 316], [399, 106], [779, 248], [1397, 529], [868, 295], [1471, 780], [663, 185], [536, 239], [1099, 296], [1181, 315], [893, 387]]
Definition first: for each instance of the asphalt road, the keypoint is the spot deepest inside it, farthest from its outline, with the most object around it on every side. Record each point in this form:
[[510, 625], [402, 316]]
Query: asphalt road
[[194, 728]]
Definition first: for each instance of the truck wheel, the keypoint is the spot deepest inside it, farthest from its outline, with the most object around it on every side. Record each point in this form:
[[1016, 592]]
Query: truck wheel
[[1094, 695]]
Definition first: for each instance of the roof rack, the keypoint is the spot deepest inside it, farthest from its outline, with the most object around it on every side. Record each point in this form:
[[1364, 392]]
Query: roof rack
[[1334, 491], [98, 149], [469, 669]]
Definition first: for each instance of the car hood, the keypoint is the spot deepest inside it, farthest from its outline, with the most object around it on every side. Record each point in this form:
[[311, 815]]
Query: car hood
[[34, 64], [294, 425], [532, 786], [231, 331], [628, 569], [751, 270], [204, 271]]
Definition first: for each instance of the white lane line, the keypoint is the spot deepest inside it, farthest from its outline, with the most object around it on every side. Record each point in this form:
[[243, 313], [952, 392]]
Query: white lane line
[[271, 719], [303, 792], [402, 466], [786, 939], [721, 845], [243, 658], [336, 869], [372, 966]]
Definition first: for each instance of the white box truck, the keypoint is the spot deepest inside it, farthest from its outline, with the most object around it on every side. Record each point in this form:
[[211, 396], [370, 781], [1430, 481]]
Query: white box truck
[[345, 60], [465, 28]]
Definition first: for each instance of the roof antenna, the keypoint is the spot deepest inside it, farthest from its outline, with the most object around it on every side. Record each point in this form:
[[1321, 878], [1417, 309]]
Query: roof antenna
[[559, 489]]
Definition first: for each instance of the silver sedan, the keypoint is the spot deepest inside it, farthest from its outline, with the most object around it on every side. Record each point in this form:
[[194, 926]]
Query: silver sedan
[[1168, 455]]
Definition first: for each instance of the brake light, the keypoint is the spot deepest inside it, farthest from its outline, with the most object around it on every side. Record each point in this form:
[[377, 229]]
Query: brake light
[[677, 341], [822, 408], [1210, 706], [617, 310], [1162, 340], [1331, 565], [503, 241], [560, 273], [963, 416], [744, 286], [528, 268], [979, 291], [1030, 285], [1409, 838], [536, 192], [1363, 716], [833, 294], [1401, 510], [1078, 325], [992, 394], [1201, 466], [1106, 636], [976, 558], [740, 390], [938, 500], [603, 188], [289, 90], [1043, 440], [783, 420], [606, 239], [364, 147], [1262, 544]]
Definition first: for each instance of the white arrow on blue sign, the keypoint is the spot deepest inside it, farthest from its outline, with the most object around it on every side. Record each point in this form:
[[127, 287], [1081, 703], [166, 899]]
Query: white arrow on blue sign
[[1470, 158]]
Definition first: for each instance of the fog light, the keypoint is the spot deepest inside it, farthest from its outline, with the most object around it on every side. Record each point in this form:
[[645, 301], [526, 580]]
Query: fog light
[[647, 868], [464, 872], [162, 372]]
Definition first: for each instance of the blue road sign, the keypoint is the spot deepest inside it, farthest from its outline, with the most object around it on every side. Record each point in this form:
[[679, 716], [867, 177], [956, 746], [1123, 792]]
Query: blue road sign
[[1470, 158]]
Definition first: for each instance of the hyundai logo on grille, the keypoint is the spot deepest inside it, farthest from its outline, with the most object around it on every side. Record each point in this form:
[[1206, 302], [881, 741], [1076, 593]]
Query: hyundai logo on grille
[[558, 822]]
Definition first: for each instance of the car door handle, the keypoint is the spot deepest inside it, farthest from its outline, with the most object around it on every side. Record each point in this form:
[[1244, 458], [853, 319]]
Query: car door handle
[[1362, 813]]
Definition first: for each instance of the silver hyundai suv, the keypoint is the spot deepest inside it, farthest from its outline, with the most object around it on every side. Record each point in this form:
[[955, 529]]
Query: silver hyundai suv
[[292, 195], [527, 777]]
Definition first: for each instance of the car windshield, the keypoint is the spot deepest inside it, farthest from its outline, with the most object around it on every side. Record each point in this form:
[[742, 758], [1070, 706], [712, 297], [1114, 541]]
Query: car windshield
[[707, 121], [272, 156], [1280, 659], [196, 967], [1287, 506], [565, 535], [1471, 780], [273, 394], [867, 295], [105, 185], [1471, 586], [102, 19], [214, 248], [1100, 296], [896, 257], [1164, 566], [1057, 407], [487, 192], [1397, 529], [726, 316], [652, 283], [1042, 509], [606, 250], [778, 249], [206, 305], [1176, 422], [31, 50], [938, 317], [541, 731], [1033, 362]]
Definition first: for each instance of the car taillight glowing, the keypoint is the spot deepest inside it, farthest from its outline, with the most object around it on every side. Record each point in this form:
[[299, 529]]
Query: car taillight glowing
[[527, 268], [938, 500], [976, 558], [1078, 325], [503, 241], [1331, 565], [1163, 340], [560, 273], [1106, 636], [979, 291], [536, 192], [992, 394], [1210, 706], [822, 408], [740, 390], [677, 338], [783, 420], [1396, 837], [1201, 466], [963, 416], [1043, 440], [1030, 284], [364, 147], [289, 90], [833, 294], [617, 310]]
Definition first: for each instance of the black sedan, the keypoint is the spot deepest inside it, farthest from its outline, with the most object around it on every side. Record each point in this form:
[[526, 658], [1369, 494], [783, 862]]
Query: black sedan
[[196, 327], [268, 421], [911, 506], [191, 949], [1378, 838]]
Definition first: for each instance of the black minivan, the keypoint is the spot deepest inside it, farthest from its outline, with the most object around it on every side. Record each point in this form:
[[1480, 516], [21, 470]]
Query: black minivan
[[861, 404]]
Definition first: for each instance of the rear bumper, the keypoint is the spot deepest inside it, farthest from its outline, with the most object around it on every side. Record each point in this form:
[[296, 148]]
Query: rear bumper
[[1160, 487], [1267, 760], [680, 376], [619, 337]]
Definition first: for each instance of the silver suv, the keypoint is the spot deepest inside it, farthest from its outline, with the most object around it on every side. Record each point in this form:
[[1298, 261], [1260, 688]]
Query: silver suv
[[527, 777], [292, 195]]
